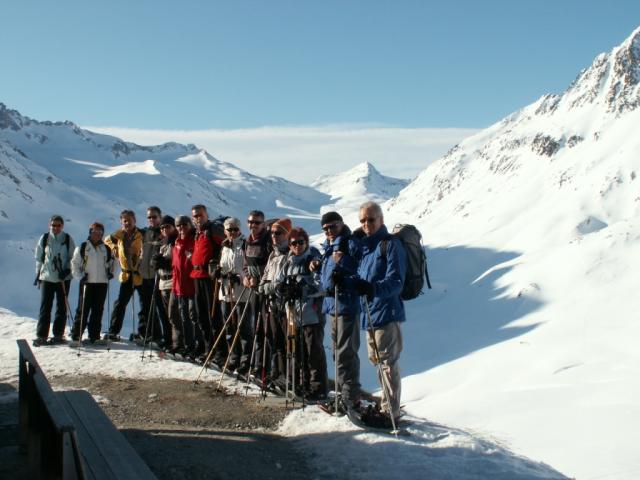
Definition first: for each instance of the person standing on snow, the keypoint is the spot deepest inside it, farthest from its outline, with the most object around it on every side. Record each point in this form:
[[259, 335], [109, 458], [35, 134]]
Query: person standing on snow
[[381, 274], [92, 264], [161, 263], [126, 246], [340, 259], [53, 277], [149, 295], [234, 294], [205, 261]]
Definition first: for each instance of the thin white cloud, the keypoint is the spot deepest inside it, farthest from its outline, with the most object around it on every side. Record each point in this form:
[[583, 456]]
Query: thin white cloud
[[304, 153]]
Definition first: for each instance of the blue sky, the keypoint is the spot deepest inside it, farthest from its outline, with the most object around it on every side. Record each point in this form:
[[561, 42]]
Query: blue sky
[[161, 66], [244, 64]]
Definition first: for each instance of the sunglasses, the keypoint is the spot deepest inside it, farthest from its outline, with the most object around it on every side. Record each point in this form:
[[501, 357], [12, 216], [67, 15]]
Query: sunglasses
[[232, 229], [255, 222], [297, 242], [368, 220], [165, 226], [277, 233], [56, 225], [331, 226]]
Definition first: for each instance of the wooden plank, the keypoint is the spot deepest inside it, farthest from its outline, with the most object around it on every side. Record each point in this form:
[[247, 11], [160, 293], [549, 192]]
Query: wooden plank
[[106, 452]]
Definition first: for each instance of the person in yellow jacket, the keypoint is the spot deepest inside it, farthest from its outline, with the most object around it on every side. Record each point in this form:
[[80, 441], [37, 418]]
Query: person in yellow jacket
[[126, 245]]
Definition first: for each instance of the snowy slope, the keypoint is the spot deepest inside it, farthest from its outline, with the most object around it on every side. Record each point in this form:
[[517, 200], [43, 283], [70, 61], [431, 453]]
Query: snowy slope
[[531, 330], [351, 188], [48, 168]]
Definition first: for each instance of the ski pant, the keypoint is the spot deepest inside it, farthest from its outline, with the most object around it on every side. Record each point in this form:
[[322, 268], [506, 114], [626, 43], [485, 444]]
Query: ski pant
[[314, 361], [345, 332], [241, 353], [120, 306], [49, 290], [170, 316], [89, 311], [188, 324], [172, 324], [151, 305], [260, 325], [389, 341], [277, 325], [210, 327]]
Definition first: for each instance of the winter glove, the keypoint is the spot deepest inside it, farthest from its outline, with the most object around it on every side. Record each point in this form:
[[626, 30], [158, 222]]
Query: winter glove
[[234, 279], [364, 288], [338, 277], [214, 270]]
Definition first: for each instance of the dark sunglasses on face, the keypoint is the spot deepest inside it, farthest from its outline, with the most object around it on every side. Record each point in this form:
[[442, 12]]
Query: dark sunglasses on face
[[276, 233], [297, 242], [331, 226], [164, 227], [368, 220], [254, 222], [232, 229]]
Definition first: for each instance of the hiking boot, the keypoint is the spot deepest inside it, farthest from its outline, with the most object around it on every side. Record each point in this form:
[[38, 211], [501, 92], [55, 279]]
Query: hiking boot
[[58, 340], [40, 342], [75, 343], [114, 337]]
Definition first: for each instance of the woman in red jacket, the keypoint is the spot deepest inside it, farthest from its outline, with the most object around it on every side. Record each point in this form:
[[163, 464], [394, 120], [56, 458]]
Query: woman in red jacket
[[183, 286]]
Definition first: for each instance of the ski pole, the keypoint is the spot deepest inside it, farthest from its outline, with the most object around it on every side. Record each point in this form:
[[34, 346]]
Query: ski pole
[[303, 354], [215, 344], [84, 296], [386, 388], [335, 349], [233, 343], [66, 303], [149, 317], [108, 313], [253, 349], [265, 345], [133, 305]]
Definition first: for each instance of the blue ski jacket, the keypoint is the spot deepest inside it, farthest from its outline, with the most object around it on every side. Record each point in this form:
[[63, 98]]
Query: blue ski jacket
[[386, 273], [348, 300]]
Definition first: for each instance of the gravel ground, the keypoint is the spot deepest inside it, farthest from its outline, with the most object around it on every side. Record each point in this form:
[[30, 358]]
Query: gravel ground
[[183, 432]]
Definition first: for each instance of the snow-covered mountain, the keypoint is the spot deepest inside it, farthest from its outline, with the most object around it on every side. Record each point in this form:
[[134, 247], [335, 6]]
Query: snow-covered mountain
[[534, 230], [351, 188], [48, 167]]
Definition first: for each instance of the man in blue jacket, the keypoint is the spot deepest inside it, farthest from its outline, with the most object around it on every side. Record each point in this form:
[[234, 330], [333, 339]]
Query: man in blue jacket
[[381, 275], [340, 259]]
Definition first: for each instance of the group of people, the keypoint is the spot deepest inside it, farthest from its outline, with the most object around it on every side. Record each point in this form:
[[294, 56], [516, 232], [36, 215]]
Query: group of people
[[255, 304]]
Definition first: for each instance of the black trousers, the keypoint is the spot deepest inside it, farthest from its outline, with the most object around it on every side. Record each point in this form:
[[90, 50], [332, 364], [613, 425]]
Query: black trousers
[[241, 353], [120, 306], [49, 290], [187, 336], [203, 301], [278, 334], [314, 360], [89, 311]]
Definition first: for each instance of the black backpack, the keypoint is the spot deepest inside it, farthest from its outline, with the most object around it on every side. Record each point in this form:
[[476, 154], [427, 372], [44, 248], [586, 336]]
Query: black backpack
[[417, 272]]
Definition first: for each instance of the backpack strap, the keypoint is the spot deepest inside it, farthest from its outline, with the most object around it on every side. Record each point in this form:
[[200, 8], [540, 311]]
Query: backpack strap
[[45, 242]]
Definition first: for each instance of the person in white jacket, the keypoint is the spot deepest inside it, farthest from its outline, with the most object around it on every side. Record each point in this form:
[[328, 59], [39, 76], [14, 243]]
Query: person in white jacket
[[233, 291], [93, 265]]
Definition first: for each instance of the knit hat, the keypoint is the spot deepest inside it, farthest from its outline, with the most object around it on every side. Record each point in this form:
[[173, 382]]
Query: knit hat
[[167, 220], [283, 224], [183, 220], [330, 217]]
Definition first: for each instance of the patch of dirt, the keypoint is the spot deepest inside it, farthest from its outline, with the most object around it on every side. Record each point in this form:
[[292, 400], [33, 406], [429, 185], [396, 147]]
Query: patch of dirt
[[196, 433]]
